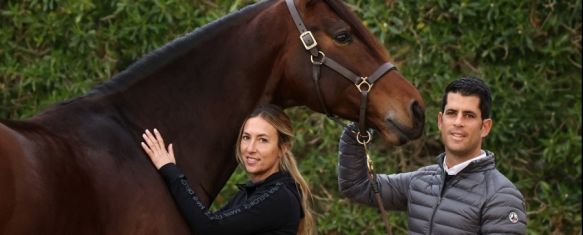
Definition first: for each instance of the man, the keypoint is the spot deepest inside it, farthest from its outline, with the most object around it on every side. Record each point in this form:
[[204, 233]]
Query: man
[[463, 193]]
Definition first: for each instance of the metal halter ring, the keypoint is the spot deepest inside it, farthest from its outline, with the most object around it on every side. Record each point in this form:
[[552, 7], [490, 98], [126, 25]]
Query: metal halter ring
[[368, 137], [321, 54], [364, 81]]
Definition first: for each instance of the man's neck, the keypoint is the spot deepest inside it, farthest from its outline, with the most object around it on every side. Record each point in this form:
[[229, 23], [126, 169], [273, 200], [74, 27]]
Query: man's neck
[[452, 160], [455, 169]]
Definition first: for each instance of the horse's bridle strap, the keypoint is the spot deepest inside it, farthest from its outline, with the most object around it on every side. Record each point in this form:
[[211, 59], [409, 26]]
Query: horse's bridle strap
[[385, 68], [306, 36], [341, 70]]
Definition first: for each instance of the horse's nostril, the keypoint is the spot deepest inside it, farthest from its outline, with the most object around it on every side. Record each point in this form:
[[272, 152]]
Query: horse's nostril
[[418, 112]]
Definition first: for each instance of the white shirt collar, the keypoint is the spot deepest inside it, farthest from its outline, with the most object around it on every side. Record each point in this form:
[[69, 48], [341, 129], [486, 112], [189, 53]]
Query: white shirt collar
[[459, 167]]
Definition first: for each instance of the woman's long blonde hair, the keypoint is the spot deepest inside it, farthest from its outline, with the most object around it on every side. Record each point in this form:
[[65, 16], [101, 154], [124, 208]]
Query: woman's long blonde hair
[[281, 122]]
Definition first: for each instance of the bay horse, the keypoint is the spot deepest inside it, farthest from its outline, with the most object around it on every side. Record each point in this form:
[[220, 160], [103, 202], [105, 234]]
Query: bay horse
[[77, 167]]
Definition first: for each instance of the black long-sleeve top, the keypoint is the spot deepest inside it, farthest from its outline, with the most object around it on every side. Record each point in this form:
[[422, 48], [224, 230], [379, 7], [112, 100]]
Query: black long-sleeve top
[[272, 206]]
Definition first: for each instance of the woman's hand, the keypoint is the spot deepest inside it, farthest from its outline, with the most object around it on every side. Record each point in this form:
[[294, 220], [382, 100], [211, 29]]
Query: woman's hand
[[156, 149]]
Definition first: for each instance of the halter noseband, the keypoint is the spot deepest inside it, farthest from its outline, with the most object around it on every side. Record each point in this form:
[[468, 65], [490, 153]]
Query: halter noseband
[[318, 58]]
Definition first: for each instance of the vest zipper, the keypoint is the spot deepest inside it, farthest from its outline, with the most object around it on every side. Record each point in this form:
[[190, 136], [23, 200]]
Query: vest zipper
[[441, 190]]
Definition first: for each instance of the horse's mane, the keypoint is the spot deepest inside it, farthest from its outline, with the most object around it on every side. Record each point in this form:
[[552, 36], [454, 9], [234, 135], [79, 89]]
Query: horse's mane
[[174, 49], [184, 44], [344, 13]]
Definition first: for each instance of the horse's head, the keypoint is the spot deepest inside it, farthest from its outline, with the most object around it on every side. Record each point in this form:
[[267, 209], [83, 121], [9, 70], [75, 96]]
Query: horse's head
[[347, 52]]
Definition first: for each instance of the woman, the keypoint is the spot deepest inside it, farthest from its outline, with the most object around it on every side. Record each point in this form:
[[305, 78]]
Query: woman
[[274, 201]]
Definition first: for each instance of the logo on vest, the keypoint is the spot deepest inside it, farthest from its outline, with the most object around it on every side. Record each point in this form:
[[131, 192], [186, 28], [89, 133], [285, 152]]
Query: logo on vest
[[513, 217]]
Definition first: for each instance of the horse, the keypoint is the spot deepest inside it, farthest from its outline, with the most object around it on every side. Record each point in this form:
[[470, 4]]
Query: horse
[[77, 166]]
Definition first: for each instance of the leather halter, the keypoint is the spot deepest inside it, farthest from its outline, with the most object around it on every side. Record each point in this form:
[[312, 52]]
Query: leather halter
[[318, 58]]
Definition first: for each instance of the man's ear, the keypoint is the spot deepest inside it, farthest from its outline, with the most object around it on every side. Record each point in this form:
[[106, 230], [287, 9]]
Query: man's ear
[[486, 127], [439, 120]]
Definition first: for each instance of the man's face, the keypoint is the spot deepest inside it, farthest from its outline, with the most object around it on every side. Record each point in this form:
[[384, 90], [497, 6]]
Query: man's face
[[462, 127]]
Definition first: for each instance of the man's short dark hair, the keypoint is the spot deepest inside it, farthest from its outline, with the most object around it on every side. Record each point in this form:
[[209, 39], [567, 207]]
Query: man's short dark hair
[[470, 86]]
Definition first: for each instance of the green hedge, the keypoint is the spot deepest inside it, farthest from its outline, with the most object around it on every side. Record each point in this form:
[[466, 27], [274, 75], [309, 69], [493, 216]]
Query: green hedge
[[528, 51]]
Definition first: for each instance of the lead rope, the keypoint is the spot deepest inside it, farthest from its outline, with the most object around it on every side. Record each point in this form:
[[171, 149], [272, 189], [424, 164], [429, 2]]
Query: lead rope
[[372, 178]]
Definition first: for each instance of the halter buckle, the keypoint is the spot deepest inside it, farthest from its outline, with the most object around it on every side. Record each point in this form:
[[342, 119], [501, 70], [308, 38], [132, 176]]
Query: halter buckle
[[364, 81], [308, 40]]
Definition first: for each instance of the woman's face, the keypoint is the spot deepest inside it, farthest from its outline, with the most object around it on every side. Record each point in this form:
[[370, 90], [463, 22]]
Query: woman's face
[[259, 149]]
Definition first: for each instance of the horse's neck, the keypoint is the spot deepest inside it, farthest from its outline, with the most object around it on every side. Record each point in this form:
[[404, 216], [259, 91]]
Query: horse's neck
[[200, 99], [220, 79]]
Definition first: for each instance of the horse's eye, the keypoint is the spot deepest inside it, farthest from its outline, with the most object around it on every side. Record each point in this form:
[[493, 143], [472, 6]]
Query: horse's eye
[[343, 37]]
